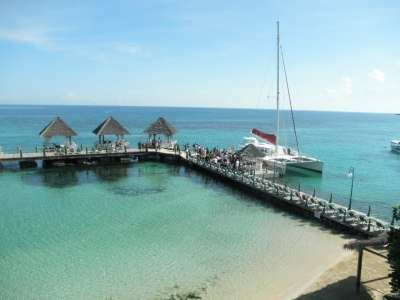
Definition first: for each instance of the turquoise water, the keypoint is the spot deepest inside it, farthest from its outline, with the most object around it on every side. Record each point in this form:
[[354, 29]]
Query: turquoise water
[[149, 230], [146, 231], [341, 140]]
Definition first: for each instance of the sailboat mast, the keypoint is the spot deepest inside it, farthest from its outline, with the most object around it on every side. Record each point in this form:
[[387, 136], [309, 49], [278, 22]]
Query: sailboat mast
[[277, 87]]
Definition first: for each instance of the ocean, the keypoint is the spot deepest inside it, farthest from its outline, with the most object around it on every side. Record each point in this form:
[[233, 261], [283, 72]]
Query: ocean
[[150, 230]]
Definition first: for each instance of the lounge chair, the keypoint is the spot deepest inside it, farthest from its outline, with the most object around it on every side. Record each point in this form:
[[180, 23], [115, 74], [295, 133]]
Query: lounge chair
[[352, 217]]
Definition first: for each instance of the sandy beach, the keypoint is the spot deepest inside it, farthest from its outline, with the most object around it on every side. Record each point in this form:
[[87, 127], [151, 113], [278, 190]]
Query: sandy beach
[[339, 282]]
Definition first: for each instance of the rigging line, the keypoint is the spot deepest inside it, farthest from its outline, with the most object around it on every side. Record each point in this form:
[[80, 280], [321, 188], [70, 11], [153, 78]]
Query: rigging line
[[290, 101], [267, 75]]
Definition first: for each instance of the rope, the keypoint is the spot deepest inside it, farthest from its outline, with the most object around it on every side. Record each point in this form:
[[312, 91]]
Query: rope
[[290, 101]]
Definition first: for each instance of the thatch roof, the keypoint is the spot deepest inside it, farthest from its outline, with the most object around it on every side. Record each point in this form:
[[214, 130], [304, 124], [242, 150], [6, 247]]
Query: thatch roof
[[160, 126], [57, 127], [111, 127], [379, 240], [250, 151]]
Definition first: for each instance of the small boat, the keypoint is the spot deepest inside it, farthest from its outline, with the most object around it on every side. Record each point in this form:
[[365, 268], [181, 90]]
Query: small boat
[[395, 145]]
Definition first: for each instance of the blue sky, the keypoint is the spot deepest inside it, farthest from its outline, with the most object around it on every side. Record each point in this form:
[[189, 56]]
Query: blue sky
[[340, 55]]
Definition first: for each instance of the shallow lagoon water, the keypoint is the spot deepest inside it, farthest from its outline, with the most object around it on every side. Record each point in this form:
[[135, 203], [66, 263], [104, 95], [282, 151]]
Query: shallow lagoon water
[[145, 231]]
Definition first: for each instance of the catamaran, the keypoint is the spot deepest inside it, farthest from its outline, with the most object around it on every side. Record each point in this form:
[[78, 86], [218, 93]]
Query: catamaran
[[279, 157]]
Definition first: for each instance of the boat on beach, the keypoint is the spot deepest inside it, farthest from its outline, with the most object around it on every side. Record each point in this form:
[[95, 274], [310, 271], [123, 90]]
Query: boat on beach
[[279, 157]]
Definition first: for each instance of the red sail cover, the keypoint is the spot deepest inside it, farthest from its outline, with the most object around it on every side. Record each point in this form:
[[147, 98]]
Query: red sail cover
[[266, 136]]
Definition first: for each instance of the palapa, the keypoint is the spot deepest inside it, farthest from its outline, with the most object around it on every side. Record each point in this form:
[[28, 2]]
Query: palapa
[[111, 127], [160, 126], [250, 151], [57, 127], [376, 241]]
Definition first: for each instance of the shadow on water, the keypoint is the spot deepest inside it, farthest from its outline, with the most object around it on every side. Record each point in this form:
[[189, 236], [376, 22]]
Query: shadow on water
[[70, 176], [136, 191], [110, 173], [53, 178]]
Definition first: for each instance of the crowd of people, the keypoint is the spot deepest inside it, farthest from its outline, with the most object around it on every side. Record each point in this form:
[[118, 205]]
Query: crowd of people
[[223, 156]]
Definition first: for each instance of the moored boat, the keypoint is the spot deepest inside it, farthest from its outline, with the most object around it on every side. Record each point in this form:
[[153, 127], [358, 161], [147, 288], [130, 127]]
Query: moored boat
[[278, 157], [395, 145]]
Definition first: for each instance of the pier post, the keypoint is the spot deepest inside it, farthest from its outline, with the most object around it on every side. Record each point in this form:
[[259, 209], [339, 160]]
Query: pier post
[[66, 151], [44, 152], [20, 152], [291, 195], [36, 149], [360, 258], [125, 148], [299, 187]]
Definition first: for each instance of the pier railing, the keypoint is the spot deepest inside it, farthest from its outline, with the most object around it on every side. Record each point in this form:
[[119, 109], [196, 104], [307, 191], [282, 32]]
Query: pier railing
[[320, 209]]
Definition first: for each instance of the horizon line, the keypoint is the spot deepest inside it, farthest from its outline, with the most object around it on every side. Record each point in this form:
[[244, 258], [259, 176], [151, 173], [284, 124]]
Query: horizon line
[[198, 107]]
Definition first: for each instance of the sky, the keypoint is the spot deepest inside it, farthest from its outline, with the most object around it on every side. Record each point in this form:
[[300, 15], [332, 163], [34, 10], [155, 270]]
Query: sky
[[340, 55]]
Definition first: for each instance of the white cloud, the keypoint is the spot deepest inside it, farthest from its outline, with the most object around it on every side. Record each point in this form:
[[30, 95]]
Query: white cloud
[[71, 96], [344, 90], [37, 36], [346, 86], [377, 75]]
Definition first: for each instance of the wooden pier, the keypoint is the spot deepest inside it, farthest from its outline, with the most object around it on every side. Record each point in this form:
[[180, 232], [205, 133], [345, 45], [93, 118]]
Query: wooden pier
[[290, 199], [304, 204], [87, 156]]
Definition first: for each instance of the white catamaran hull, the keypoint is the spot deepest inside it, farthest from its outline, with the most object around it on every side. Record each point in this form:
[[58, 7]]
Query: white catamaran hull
[[311, 165]]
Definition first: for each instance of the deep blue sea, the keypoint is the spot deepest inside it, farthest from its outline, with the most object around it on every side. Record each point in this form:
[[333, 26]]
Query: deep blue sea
[[151, 230]]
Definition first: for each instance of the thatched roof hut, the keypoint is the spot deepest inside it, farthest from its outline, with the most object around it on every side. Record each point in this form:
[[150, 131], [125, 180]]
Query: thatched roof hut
[[161, 126], [111, 127], [250, 152], [57, 127], [376, 241]]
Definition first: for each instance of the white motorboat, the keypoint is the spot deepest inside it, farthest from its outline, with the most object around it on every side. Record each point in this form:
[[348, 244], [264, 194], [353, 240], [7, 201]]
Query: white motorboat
[[395, 145], [279, 157]]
